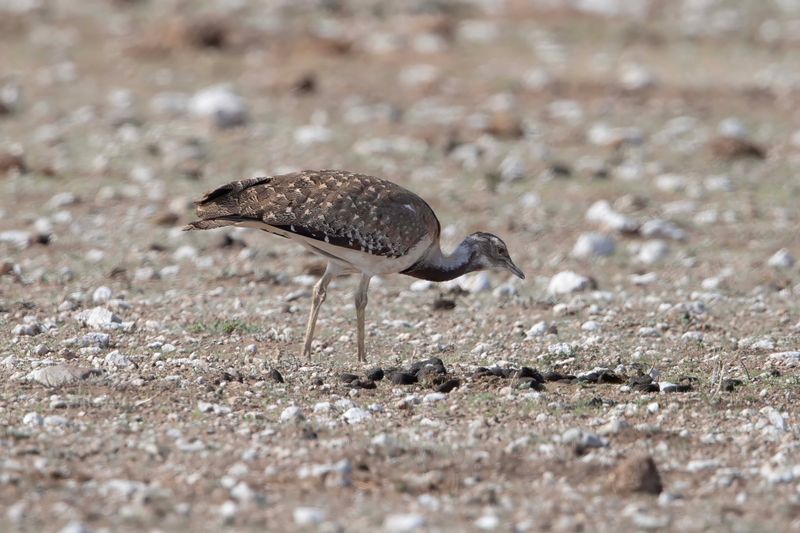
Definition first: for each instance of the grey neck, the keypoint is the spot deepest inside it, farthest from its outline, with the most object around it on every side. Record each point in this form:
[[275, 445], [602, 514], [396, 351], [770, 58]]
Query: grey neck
[[436, 266]]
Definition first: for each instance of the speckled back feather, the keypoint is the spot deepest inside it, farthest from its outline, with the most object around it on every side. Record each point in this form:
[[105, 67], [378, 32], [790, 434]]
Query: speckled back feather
[[342, 208]]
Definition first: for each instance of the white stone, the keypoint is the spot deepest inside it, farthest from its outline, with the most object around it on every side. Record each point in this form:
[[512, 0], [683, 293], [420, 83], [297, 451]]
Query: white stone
[[666, 386], [62, 199], [693, 336], [583, 438], [421, 285], [55, 421], [783, 258], [17, 512], [698, 465], [95, 256], [322, 407], [756, 343], [219, 104], [18, 238], [292, 412], [539, 329], [312, 134], [568, 281], [780, 475], [30, 329], [562, 349], [145, 274], [662, 229], [419, 74], [476, 282], [776, 418], [398, 523], [733, 127], [95, 338], [43, 226], [653, 251], [356, 415], [512, 169], [790, 358], [169, 271], [101, 295], [602, 214], [601, 134], [649, 332], [309, 516], [632, 76], [184, 253], [116, 359], [52, 376], [33, 419], [228, 510], [76, 527], [242, 493], [647, 278], [537, 79], [173, 104], [670, 182], [590, 325], [434, 397], [97, 317], [506, 290], [487, 522], [719, 183], [593, 245], [650, 521], [344, 404], [305, 280]]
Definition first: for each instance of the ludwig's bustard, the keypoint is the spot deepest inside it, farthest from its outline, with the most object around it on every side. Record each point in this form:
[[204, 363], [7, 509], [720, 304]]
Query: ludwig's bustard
[[358, 223]]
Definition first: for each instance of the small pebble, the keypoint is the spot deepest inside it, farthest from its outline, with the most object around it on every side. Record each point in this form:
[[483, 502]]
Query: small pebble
[[398, 523]]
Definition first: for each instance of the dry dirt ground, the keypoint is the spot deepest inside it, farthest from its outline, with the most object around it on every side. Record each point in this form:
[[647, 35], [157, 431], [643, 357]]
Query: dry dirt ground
[[640, 158]]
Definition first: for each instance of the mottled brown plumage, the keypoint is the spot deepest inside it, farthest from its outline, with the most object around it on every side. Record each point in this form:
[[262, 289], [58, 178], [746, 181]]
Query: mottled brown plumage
[[344, 209], [359, 223]]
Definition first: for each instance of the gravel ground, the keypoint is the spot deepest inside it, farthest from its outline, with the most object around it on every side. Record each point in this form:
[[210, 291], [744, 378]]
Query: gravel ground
[[640, 159]]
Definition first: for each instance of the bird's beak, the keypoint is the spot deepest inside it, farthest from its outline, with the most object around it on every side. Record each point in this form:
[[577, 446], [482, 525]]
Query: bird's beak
[[514, 269]]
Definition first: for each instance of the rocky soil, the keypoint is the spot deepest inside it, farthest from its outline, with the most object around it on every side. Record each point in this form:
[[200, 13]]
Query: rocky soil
[[640, 159]]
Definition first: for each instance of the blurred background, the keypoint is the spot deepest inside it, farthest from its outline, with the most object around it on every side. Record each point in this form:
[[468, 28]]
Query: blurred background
[[553, 123]]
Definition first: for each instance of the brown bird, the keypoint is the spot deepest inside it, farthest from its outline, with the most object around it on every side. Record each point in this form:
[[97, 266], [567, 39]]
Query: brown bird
[[358, 223]]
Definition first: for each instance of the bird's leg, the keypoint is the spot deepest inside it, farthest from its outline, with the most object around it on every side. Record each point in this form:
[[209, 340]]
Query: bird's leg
[[318, 296], [361, 305]]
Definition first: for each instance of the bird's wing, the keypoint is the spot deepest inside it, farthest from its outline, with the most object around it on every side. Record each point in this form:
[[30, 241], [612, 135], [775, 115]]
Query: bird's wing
[[341, 208]]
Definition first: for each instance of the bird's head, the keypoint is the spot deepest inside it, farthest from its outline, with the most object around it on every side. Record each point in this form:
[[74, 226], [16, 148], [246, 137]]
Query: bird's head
[[489, 252]]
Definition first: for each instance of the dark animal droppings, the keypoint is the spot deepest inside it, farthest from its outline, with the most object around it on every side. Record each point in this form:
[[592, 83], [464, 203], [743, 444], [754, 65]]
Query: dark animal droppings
[[443, 304], [434, 362], [376, 374], [276, 376], [448, 386], [402, 378], [363, 384]]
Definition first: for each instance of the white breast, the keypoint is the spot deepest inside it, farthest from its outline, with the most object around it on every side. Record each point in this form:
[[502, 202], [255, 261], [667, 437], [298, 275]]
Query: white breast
[[352, 259]]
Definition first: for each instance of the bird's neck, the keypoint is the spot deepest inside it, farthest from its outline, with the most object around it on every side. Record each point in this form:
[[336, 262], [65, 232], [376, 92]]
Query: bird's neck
[[437, 266]]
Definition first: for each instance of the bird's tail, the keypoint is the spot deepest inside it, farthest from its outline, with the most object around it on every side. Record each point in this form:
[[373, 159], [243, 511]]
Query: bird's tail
[[220, 207]]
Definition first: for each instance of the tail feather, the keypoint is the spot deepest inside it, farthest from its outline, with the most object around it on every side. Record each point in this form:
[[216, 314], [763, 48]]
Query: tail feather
[[211, 223], [220, 207]]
